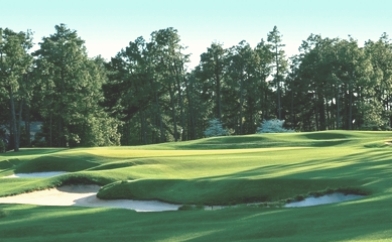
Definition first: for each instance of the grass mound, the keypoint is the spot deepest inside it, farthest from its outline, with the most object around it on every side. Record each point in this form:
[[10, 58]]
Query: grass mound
[[219, 191], [9, 163], [15, 186], [2, 213], [123, 163], [327, 135], [33, 151], [73, 162], [309, 139], [215, 171]]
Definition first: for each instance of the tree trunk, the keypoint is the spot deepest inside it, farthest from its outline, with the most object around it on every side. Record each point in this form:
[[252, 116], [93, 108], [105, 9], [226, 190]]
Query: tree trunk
[[218, 94], [278, 82], [350, 115], [190, 123], [321, 109], [172, 104], [337, 109], [181, 105], [61, 142], [27, 125], [158, 111], [241, 104], [266, 109], [19, 122], [50, 129], [317, 120], [13, 120], [292, 109], [261, 100], [143, 130]]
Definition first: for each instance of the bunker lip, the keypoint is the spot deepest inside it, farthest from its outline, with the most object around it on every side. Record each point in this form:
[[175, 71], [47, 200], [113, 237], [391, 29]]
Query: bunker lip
[[84, 196], [78, 195], [36, 174], [335, 197]]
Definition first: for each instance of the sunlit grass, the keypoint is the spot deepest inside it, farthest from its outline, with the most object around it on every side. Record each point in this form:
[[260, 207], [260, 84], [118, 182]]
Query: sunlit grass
[[220, 170]]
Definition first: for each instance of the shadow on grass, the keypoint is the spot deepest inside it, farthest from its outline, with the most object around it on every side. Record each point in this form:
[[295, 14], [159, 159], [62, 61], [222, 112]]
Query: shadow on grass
[[360, 166], [244, 223], [325, 135], [9, 163], [69, 162], [124, 163], [264, 144], [32, 151]]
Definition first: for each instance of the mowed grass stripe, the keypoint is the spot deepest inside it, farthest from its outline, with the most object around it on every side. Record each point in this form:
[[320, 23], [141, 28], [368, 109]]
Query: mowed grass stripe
[[196, 172]]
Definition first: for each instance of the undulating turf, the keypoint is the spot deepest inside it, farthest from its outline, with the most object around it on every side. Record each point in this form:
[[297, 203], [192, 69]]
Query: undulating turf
[[214, 171]]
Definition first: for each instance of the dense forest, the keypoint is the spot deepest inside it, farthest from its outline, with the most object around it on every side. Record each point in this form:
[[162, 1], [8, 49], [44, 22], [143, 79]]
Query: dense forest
[[145, 94]]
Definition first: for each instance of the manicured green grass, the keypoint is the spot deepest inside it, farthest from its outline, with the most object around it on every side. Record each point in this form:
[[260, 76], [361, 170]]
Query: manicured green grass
[[214, 171]]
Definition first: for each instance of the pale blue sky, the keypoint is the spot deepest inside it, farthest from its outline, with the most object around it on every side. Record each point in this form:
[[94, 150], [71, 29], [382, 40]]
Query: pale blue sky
[[108, 26]]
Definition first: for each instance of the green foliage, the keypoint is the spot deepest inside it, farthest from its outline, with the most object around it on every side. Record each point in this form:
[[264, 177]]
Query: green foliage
[[14, 65], [273, 126], [2, 146], [334, 79], [70, 93], [145, 88], [211, 73], [97, 131], [275, 38], [215, 128], [148, 95], [374, 117]]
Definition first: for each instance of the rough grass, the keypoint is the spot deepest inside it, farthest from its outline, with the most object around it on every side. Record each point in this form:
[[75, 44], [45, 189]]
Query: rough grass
[[214, 171]]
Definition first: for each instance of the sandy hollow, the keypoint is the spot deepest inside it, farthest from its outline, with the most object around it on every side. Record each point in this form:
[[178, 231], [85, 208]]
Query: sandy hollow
[[84, 196], [36, 174], [325, 199]]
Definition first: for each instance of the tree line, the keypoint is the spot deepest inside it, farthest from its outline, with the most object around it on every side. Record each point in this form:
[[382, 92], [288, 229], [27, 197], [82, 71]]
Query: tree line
[[145, 94]]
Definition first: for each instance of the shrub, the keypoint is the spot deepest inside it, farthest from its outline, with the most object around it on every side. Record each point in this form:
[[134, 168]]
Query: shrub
[[95, 131], [273, 126], [2, 146], [215, 128]]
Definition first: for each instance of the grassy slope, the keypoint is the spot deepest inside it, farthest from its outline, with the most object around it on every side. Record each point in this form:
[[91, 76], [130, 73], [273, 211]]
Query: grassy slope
[[212, 171]]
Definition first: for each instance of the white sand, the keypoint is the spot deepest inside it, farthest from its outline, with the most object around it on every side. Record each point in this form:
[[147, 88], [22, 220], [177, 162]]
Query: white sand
[[326, 199], [36, 174], [84, 196]]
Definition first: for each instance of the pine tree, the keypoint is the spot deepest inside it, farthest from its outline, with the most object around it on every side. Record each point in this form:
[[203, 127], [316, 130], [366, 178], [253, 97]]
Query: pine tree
[[14, 64], [70, 90]]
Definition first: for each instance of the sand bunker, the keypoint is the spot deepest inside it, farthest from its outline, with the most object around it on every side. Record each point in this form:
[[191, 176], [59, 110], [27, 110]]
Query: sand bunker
[[36, 174], [325, 199], [84, 196]]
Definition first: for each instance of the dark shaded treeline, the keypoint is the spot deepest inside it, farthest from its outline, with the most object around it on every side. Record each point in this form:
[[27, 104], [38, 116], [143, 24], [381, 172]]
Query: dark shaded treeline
[[146, 95]]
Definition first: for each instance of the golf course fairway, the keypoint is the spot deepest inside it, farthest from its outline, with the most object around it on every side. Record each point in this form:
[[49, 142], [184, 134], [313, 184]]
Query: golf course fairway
[[251, 176]]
